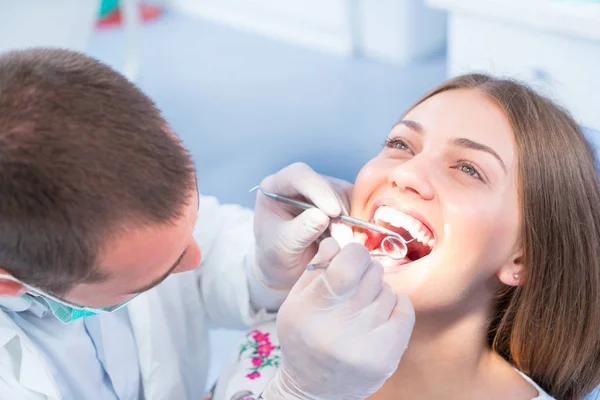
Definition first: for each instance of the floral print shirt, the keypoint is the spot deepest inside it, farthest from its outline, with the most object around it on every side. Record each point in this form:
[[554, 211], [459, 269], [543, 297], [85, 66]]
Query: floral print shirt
[[252, 365]]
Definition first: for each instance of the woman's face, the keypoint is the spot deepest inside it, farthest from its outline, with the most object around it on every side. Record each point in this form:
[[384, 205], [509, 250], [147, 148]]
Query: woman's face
[[448, 177]]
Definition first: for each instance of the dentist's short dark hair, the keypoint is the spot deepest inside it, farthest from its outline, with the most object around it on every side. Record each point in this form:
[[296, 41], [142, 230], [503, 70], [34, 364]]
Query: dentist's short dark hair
[[84, 155]]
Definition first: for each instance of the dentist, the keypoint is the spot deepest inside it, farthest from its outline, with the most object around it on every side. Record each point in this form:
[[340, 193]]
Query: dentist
[[112, 265]]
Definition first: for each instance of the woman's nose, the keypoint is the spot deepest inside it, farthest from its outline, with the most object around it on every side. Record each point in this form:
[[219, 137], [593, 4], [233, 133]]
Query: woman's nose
[[413, 177]]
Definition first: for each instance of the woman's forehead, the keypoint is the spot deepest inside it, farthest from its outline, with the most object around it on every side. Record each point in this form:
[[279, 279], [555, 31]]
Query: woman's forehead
[[464, 113]]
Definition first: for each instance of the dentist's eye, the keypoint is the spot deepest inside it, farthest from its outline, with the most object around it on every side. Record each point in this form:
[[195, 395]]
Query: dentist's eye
[[397, 143]]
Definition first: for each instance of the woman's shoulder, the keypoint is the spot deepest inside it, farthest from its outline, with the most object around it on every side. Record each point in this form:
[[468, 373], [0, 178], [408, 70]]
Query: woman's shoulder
[[542, 395]]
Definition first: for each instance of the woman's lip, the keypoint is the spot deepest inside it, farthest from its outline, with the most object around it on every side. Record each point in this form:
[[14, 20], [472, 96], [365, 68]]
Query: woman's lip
[[391, 266], [393, 203]]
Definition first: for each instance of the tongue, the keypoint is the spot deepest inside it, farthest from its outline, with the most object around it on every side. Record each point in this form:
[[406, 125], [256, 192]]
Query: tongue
[[375, 239]]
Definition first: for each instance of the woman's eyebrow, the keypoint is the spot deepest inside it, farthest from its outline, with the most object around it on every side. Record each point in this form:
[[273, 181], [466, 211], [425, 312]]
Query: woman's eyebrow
[[413, 125], [470, 144], [459, 142]]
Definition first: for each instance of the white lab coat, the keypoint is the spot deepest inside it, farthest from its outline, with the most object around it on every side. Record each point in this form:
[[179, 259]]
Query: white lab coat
[[169, 322]]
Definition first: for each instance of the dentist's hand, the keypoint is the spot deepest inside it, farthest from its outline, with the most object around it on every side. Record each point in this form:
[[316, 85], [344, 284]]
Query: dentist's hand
[[342, 331], [285, 239]]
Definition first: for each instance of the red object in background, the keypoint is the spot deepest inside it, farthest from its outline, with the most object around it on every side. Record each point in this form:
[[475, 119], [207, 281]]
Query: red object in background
[[114, 19]]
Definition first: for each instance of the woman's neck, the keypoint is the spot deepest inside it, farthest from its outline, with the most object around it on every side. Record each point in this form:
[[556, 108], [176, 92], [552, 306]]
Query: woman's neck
[[448, 361], [443, 357]]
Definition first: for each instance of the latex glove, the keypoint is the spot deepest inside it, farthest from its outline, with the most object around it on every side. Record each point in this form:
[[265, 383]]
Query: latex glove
[[342, 330], [285, 236]]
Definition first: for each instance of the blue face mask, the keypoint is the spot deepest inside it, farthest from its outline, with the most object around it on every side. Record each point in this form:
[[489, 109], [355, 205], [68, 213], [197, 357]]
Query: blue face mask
[[62, 310]]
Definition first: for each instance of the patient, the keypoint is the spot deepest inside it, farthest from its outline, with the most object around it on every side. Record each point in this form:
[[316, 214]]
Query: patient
[[499, 188]]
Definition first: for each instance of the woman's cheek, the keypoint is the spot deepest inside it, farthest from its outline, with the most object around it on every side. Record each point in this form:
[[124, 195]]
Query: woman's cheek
[[369, 177]]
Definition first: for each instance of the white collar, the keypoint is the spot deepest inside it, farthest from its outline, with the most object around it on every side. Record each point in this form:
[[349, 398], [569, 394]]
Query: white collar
[[23, 303], [33, 372]]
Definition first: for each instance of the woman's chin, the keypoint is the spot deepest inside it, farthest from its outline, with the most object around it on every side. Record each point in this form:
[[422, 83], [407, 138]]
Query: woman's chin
[[406, 276]]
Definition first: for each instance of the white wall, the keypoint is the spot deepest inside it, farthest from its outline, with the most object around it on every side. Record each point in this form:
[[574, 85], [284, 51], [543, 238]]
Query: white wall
[[554, 46], [393, 31], [65, 23], [319, 24]]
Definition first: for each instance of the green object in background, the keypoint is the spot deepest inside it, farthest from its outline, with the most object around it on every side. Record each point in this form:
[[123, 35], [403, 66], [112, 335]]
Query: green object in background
[[108, 6]]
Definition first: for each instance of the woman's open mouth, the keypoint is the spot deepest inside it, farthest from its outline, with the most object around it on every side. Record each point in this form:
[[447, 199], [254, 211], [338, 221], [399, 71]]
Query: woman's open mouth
[[420, 240]]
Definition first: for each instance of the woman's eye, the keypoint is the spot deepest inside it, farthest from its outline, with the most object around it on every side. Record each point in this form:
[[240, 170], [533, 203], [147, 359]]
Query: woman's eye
[[470, 170], [397, 143]]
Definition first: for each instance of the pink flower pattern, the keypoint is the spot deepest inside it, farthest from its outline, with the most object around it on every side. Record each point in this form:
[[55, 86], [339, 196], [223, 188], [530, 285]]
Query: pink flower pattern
[[265, 349], [257, 361], [258, 336], [261, 353], [253, 375]]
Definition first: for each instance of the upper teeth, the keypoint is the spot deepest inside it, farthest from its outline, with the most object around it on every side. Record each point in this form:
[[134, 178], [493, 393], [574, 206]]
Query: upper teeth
[[400, 220]]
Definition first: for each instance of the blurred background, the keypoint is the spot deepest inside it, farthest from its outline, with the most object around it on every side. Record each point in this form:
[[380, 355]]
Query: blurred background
[[254, 85]]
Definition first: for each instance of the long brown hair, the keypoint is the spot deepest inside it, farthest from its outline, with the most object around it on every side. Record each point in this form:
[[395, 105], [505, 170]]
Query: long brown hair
[[549, 326]]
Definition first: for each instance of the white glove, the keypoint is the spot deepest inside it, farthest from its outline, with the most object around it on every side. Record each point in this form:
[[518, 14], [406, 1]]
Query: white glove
[[285, 239], [342, 330]]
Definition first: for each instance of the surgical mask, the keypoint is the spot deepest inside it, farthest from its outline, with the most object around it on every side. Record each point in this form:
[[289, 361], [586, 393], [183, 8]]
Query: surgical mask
[[64, 311]]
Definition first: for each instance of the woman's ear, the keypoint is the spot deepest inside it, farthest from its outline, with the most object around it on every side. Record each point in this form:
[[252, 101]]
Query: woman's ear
[[512, 273], [10, 288]]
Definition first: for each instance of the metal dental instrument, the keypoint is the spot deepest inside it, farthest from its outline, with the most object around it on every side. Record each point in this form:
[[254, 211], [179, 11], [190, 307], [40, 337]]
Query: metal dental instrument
[[398, 244]]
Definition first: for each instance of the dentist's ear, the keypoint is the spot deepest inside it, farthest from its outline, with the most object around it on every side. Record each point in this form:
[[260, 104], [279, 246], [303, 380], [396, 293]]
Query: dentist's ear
[[10, 288], [512, 274]]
